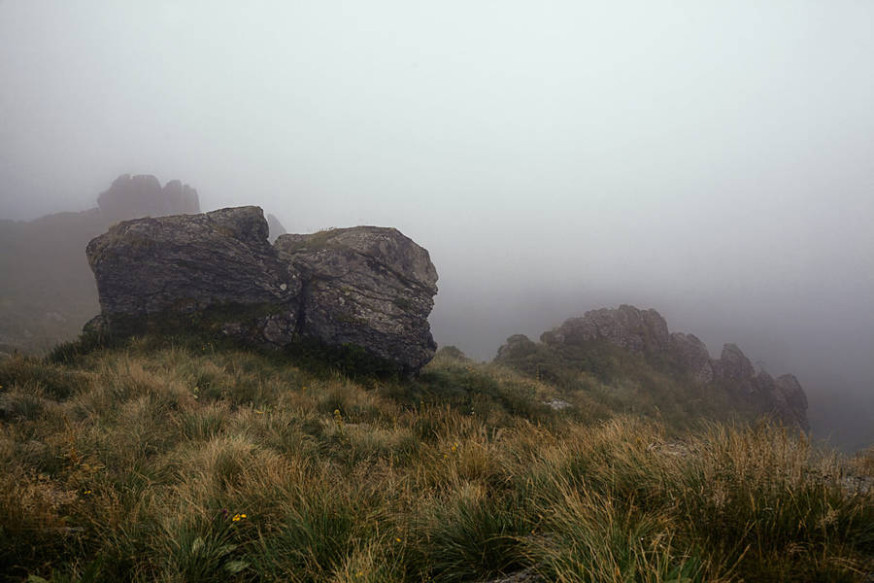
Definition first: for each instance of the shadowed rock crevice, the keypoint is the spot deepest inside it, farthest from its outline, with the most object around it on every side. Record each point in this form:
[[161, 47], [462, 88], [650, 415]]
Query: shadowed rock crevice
[[368, 287]]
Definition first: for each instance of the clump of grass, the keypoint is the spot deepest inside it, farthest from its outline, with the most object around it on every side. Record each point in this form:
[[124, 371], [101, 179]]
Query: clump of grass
[[467, 533], [591, 538]]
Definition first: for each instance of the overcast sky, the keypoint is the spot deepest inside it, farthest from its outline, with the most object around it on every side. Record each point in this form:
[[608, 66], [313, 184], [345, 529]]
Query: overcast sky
[[714, 160]]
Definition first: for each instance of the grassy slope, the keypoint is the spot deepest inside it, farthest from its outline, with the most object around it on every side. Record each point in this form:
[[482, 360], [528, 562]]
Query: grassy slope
[[154, 461]]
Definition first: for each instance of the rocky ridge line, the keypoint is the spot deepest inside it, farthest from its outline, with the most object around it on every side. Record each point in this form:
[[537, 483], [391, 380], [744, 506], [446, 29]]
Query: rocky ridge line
[[646, 332]]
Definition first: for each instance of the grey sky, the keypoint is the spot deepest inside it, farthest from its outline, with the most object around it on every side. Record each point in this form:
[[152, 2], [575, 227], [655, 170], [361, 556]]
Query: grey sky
[[712, 159]]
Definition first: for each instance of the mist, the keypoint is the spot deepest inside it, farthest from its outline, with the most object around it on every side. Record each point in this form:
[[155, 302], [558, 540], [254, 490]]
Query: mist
[[712, 161]]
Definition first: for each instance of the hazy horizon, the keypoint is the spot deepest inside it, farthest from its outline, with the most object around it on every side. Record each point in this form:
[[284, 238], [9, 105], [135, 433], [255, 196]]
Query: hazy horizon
[[712, 161]]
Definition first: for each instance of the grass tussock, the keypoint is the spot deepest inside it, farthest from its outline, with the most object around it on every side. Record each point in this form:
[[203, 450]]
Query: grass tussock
[[193, 463]]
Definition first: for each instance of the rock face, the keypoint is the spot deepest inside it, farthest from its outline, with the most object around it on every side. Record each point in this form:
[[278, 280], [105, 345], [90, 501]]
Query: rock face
[[517, 346], [189, 263], [627, 327], [139, 196], [693, 356], [645, 332], [734, 365], [792, 403], [365, 286]]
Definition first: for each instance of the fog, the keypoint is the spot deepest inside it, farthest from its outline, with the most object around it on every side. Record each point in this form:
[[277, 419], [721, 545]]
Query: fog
[[714, 161]]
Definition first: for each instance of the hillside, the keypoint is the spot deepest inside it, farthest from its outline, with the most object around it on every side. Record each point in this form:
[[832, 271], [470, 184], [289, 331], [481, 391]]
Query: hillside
[[650, 369], [173, 459], [47, 290]]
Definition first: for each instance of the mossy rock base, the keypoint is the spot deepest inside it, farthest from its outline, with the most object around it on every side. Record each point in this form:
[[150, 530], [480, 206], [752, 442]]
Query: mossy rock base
[[210, 327]]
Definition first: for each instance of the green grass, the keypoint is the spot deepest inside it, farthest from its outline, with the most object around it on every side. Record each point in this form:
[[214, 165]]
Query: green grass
[[131, 463]]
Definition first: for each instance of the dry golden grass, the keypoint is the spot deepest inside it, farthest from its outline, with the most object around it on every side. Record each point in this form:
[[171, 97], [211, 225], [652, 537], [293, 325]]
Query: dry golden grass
[[197, 464]]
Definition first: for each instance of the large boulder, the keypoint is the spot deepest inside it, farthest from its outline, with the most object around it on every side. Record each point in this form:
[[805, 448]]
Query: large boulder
[[368, 287], [189, 263], [148, 270]]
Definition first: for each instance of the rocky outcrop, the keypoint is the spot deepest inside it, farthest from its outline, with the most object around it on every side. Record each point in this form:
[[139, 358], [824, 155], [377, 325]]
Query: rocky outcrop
[[792, 402], [733, 365], [517, 347], [627, 327], [692, 355], [365, 286], [190, 263], [645, 332], [141, 196]]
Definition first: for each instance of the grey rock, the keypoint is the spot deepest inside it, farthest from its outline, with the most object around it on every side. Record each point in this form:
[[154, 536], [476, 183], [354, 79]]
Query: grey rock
[[368, 286], [516, 347], [792, 400], [557, 404], [763, 383], [733, 364], [692, 355], [140, 196], [190, 263], [627, 327]]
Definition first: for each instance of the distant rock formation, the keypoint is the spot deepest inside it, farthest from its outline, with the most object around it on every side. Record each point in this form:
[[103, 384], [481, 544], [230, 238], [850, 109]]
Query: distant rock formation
[[646, 332], [365, 286], [693, 357], [627, 327], [132, 197], [47, 291]]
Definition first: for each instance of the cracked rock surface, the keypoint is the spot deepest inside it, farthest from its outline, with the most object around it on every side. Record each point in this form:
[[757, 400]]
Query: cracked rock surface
[[368, 286]]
